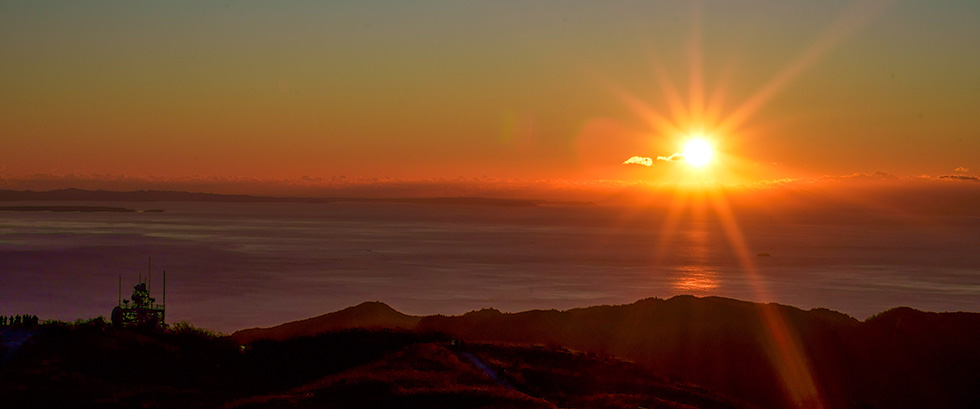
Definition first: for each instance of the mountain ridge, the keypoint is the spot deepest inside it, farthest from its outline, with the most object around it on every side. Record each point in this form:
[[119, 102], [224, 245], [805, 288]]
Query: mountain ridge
[[74, 194], [366, 315], [733, 347]]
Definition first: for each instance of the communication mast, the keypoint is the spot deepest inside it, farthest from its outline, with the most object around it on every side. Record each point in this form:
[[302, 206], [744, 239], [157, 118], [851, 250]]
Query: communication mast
[[140, 309]]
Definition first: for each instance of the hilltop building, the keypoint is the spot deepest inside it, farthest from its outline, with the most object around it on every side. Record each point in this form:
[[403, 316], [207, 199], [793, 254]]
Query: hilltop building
[[140, 309]]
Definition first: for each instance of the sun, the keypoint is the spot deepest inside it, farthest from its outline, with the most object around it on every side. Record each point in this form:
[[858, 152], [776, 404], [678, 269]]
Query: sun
[[698, 152]]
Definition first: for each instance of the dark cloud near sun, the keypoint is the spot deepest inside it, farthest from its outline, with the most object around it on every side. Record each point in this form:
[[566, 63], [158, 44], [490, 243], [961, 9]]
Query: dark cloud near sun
[[960, 177], [861, 176]]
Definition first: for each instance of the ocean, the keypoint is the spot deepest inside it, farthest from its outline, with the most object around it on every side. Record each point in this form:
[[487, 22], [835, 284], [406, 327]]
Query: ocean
[[232, 266]]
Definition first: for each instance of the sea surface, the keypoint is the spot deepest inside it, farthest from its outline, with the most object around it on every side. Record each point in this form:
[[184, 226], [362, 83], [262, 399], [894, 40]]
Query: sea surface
[[231, 266]]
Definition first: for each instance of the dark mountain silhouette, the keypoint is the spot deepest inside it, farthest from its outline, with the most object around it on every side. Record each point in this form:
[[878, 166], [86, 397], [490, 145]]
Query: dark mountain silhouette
[[97, 365], [716, 342], [440, 375], [684, 352], [366, 315], [82, 209], [177, 196], [901, 358], [131, 196], [909, 358]]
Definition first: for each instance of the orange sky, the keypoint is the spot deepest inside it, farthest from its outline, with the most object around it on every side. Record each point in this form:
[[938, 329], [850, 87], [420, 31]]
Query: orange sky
[[429, 90]]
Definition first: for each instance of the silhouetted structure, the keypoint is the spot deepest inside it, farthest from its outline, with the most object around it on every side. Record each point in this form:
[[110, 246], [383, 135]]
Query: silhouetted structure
[[140, 309]]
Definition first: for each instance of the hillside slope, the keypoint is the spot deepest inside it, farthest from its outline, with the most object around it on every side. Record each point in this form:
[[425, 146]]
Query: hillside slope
[[771, 355], [774, 356], [95, 365]]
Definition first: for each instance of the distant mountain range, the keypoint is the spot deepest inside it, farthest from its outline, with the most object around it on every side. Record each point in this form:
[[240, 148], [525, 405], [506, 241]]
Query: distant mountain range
[[82, 209], [770, 355], [176, 196]]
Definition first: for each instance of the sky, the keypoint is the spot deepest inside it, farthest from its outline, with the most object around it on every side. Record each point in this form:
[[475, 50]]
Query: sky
[[472, 90]]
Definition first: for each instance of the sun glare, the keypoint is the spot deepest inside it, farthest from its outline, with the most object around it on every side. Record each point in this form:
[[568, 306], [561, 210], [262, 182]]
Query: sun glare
[[698, 152]]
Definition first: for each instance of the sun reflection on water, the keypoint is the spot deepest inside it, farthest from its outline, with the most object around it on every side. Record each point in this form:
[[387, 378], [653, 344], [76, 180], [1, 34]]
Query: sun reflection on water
[[696, 280]]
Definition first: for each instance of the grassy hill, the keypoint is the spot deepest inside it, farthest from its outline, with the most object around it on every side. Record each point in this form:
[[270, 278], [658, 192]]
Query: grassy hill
[[684, 352], [96, 365], [770, 355]]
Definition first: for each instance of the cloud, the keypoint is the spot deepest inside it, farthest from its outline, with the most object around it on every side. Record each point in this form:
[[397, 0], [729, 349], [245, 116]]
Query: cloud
[[960, 177], [645, 161], [861, 176], [639, 160], [962, 169]]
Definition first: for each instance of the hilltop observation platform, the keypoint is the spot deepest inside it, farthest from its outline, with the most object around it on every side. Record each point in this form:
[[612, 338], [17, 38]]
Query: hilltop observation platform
[[140, 309]]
